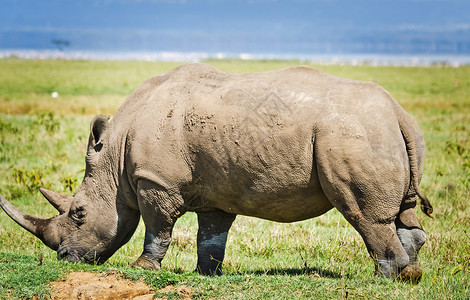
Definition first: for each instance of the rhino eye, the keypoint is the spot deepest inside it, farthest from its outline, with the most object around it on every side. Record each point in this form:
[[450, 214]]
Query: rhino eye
[[78, 214]]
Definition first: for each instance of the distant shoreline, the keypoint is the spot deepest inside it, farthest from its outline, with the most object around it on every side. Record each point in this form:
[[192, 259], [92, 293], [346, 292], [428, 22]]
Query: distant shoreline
[[421, 60]]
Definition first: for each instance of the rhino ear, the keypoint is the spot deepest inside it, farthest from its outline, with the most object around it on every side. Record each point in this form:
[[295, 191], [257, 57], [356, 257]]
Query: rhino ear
[[97, 127]]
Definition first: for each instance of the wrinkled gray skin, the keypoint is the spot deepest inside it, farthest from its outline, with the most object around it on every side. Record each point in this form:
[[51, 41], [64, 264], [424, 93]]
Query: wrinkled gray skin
[[285, 145]]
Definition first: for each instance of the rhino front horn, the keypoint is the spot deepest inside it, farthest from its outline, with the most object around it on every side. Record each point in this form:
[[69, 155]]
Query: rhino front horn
[[44, 229], [59, 201]]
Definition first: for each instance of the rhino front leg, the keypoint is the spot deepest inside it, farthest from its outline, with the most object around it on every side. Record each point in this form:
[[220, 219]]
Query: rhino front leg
[[154, 251], [211, 240], [159, 211]]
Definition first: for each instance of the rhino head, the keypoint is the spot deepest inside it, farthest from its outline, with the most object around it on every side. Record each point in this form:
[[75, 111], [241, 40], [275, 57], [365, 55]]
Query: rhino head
[[92, 224]]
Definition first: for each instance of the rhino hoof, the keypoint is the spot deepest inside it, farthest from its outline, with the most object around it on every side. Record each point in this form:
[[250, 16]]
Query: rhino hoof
[[146, 264], [410, 274]]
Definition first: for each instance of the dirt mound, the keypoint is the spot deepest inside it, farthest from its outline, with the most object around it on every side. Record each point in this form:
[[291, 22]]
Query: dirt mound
[[83, 285]]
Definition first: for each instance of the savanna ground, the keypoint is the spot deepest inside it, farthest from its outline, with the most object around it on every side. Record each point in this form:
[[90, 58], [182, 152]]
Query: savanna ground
[[43, 143]]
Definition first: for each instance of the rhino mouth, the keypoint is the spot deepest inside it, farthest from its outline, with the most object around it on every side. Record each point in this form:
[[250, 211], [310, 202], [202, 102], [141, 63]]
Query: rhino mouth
[[65, 255], [90, 257]]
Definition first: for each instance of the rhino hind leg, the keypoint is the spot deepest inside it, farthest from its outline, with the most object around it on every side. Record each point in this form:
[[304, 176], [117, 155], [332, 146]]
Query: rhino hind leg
[[379, 234], [390, 259], [211, 239], [412, 237], [384, 246], [369, 198], [375, 223]]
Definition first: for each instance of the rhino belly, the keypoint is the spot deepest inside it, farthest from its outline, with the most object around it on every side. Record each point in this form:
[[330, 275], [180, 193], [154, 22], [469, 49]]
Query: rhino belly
[[286, 206], [291, 210]]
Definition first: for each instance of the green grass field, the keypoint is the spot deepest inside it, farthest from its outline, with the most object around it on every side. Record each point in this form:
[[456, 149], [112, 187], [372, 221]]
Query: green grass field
[[43, 143]]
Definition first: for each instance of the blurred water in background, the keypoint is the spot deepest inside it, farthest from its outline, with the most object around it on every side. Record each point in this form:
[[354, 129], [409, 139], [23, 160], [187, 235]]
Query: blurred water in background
[[452, 60]]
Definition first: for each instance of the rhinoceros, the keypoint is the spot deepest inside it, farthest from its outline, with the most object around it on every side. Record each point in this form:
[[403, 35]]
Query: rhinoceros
[[285, 145]]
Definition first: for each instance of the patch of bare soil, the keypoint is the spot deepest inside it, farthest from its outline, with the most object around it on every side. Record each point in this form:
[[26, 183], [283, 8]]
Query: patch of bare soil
[[83, 285]]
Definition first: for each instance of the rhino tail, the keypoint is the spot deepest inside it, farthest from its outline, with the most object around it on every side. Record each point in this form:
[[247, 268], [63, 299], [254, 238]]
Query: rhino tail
[[413, 138], [426, 206]]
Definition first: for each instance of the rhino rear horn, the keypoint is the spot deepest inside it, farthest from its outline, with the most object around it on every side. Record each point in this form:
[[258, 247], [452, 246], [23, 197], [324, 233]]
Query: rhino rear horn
[[44, 229], [59, 201]]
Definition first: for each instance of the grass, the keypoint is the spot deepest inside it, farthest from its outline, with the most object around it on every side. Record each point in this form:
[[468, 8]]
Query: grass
[[43, 143]]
